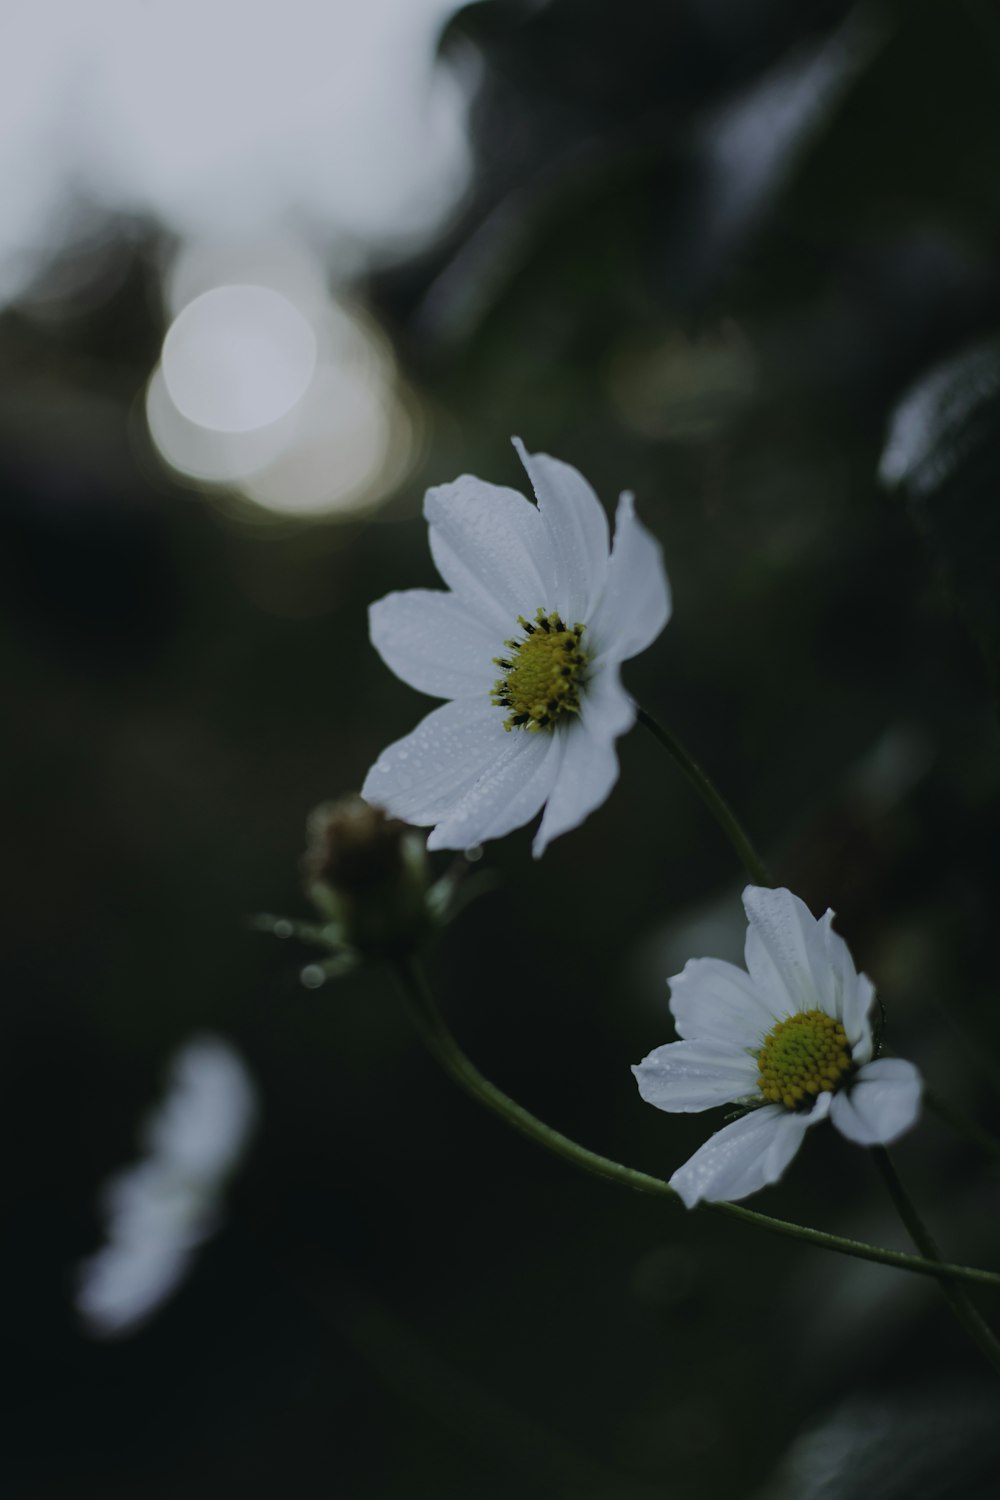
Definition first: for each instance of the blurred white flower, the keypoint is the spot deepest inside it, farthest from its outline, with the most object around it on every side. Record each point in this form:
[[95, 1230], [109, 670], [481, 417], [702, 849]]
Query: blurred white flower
[[526, 645], [791, 1040], [230, 121], [161, 1209]]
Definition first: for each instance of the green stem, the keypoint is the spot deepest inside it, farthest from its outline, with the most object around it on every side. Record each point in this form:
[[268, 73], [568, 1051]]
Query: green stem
[[709, 793], [961, 1123], [961, 1305], [439, 1041], [320, 934]]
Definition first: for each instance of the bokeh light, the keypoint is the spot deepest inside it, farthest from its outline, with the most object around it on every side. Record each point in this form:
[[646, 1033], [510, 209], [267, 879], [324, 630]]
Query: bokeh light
[[278, 147], [275, 388], [239, 117], [238, 358], [356, 441]]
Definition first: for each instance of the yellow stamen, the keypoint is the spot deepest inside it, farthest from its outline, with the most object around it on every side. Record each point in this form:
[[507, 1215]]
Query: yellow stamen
[[541, 673], [803, 1056]]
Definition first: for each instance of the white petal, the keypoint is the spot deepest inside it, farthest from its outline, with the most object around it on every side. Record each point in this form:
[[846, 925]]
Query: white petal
[[780, 952], [802, 964], [422, 776], [746, 1155], [852, 993], [590, 763], [433, 642], [882, 1102], [604, 704], [509, 794], [712, 1000], [635, 604], [685, 1077], [490, 546], [577, 529]]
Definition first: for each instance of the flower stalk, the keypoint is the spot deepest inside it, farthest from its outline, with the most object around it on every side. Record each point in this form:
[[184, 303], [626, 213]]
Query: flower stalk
[[958, 1299], [711, 796], [437, 1037]]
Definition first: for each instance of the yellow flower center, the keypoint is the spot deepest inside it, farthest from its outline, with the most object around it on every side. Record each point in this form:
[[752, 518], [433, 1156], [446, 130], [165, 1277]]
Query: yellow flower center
[[541, 674], [803, 1056]]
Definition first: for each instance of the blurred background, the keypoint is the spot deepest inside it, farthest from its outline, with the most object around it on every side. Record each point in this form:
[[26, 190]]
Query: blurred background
[[266, 272]]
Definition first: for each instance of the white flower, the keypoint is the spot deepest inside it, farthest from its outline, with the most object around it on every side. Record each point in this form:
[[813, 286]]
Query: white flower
[[526, 645], [791, 1039], [162, 1208]]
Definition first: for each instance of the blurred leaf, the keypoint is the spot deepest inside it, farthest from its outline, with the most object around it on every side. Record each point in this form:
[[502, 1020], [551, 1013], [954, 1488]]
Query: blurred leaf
[[943, 451], [931, 1446]]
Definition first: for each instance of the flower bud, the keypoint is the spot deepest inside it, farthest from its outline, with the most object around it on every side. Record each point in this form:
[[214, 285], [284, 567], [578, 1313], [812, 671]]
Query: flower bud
[[368, 874]]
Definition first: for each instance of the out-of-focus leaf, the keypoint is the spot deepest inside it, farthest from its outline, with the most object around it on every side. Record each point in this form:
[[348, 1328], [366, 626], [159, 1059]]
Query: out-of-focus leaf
[[929, 1447], [745, 150], [943, 452]]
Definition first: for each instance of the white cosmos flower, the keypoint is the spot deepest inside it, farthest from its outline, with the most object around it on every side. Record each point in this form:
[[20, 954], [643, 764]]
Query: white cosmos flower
[[526, 645], [791, 1039], [159, 1210]]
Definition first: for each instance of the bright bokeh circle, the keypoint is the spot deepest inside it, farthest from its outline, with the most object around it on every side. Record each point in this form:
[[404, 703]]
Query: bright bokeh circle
[[238, 358]]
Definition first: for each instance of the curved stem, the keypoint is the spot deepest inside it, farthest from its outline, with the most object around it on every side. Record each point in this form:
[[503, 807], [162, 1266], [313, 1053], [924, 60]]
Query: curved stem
[[961, 1305], [711, 796], [439, 1041]]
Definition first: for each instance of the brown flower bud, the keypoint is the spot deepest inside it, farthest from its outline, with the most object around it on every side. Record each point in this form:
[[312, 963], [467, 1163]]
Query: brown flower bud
[[368, 873]]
